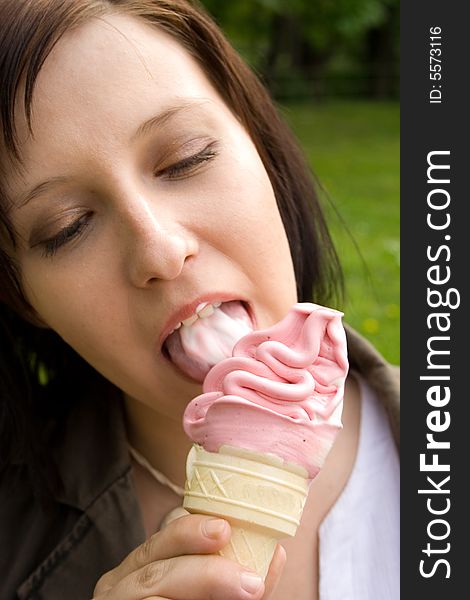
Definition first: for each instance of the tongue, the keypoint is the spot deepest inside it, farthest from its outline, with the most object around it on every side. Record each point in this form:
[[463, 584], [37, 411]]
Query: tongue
[[197, 348]]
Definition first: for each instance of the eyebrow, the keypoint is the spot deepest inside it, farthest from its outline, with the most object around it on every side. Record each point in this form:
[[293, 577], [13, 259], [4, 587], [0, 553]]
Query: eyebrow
[[39, 189], [164, 116], [154, 122]]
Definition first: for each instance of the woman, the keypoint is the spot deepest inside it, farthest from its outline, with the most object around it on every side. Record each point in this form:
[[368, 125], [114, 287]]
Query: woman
[[144, 172]]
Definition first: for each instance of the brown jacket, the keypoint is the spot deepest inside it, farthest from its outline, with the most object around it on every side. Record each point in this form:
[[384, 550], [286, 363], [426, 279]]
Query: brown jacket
[[96, 521]]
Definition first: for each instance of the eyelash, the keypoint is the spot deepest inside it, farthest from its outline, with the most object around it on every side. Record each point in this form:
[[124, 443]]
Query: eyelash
[[65, 235], [184, 167], [176, 171]]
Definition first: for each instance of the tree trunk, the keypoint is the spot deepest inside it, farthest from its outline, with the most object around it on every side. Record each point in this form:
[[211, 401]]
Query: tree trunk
[[381, 55]]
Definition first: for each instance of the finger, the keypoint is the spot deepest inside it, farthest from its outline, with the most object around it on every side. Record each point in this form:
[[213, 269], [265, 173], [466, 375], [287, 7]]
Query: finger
[[276, 569], [192, 534], [197, 577]]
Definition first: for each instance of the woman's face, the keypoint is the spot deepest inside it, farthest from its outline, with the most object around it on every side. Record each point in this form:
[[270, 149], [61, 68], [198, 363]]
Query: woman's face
[[142, 198]]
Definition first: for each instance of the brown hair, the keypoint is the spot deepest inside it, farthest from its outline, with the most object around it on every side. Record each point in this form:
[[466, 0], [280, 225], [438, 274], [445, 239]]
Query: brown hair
[[29, 29]]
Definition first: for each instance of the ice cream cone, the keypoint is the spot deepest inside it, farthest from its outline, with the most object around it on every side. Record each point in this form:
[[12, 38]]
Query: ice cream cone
[[261, 497]]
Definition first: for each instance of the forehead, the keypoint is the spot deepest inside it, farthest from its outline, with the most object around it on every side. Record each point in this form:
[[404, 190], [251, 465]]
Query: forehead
[[102, 80]]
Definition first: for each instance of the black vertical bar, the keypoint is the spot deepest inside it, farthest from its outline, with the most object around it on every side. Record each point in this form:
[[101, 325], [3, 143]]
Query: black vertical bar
[[435, 253]]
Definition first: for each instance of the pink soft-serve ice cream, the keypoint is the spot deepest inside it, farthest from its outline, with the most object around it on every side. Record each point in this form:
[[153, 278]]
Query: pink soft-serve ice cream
[[280, 393], [207, 337]]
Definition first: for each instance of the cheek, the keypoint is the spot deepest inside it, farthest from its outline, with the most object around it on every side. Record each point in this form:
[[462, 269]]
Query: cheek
[[92, 321], [260, 233], [70, 301], [240, 209]]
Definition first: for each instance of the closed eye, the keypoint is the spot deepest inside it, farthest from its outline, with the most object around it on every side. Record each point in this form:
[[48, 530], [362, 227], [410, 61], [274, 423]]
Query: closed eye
[[64, 236], [190, 165]]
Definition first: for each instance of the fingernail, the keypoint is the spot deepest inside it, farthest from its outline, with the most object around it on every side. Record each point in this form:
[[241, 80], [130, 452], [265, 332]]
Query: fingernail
[[250, 582], [213, 527]]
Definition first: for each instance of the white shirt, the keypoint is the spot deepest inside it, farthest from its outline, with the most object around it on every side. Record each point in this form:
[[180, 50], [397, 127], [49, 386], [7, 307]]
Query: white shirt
[[360, 536]]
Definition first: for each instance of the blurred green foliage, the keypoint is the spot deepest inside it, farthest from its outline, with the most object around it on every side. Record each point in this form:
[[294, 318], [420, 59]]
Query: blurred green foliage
[[353, 148], [316, 48]]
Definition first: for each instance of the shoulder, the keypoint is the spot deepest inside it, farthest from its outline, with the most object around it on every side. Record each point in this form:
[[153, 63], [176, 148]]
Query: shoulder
[[60, 547], [90, 457], [28, 529], [383, 377]]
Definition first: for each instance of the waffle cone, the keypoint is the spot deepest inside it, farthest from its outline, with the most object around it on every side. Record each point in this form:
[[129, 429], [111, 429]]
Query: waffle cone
[[260, 496]]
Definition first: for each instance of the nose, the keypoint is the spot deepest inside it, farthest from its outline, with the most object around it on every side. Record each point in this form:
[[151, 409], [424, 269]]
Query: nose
[[157, 246]]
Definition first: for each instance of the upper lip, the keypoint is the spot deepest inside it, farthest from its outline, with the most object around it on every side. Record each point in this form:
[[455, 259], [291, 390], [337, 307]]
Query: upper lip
[[189, 309]]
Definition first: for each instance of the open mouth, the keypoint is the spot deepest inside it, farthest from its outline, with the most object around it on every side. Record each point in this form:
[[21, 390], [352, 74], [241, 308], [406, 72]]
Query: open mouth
[[207, 337]]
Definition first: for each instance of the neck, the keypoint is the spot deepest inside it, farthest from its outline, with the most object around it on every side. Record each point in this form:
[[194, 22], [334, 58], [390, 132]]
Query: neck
[[159, 438]]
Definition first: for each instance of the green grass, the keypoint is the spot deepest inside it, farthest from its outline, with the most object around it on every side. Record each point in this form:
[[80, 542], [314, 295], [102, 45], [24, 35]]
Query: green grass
[[353, 147]]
